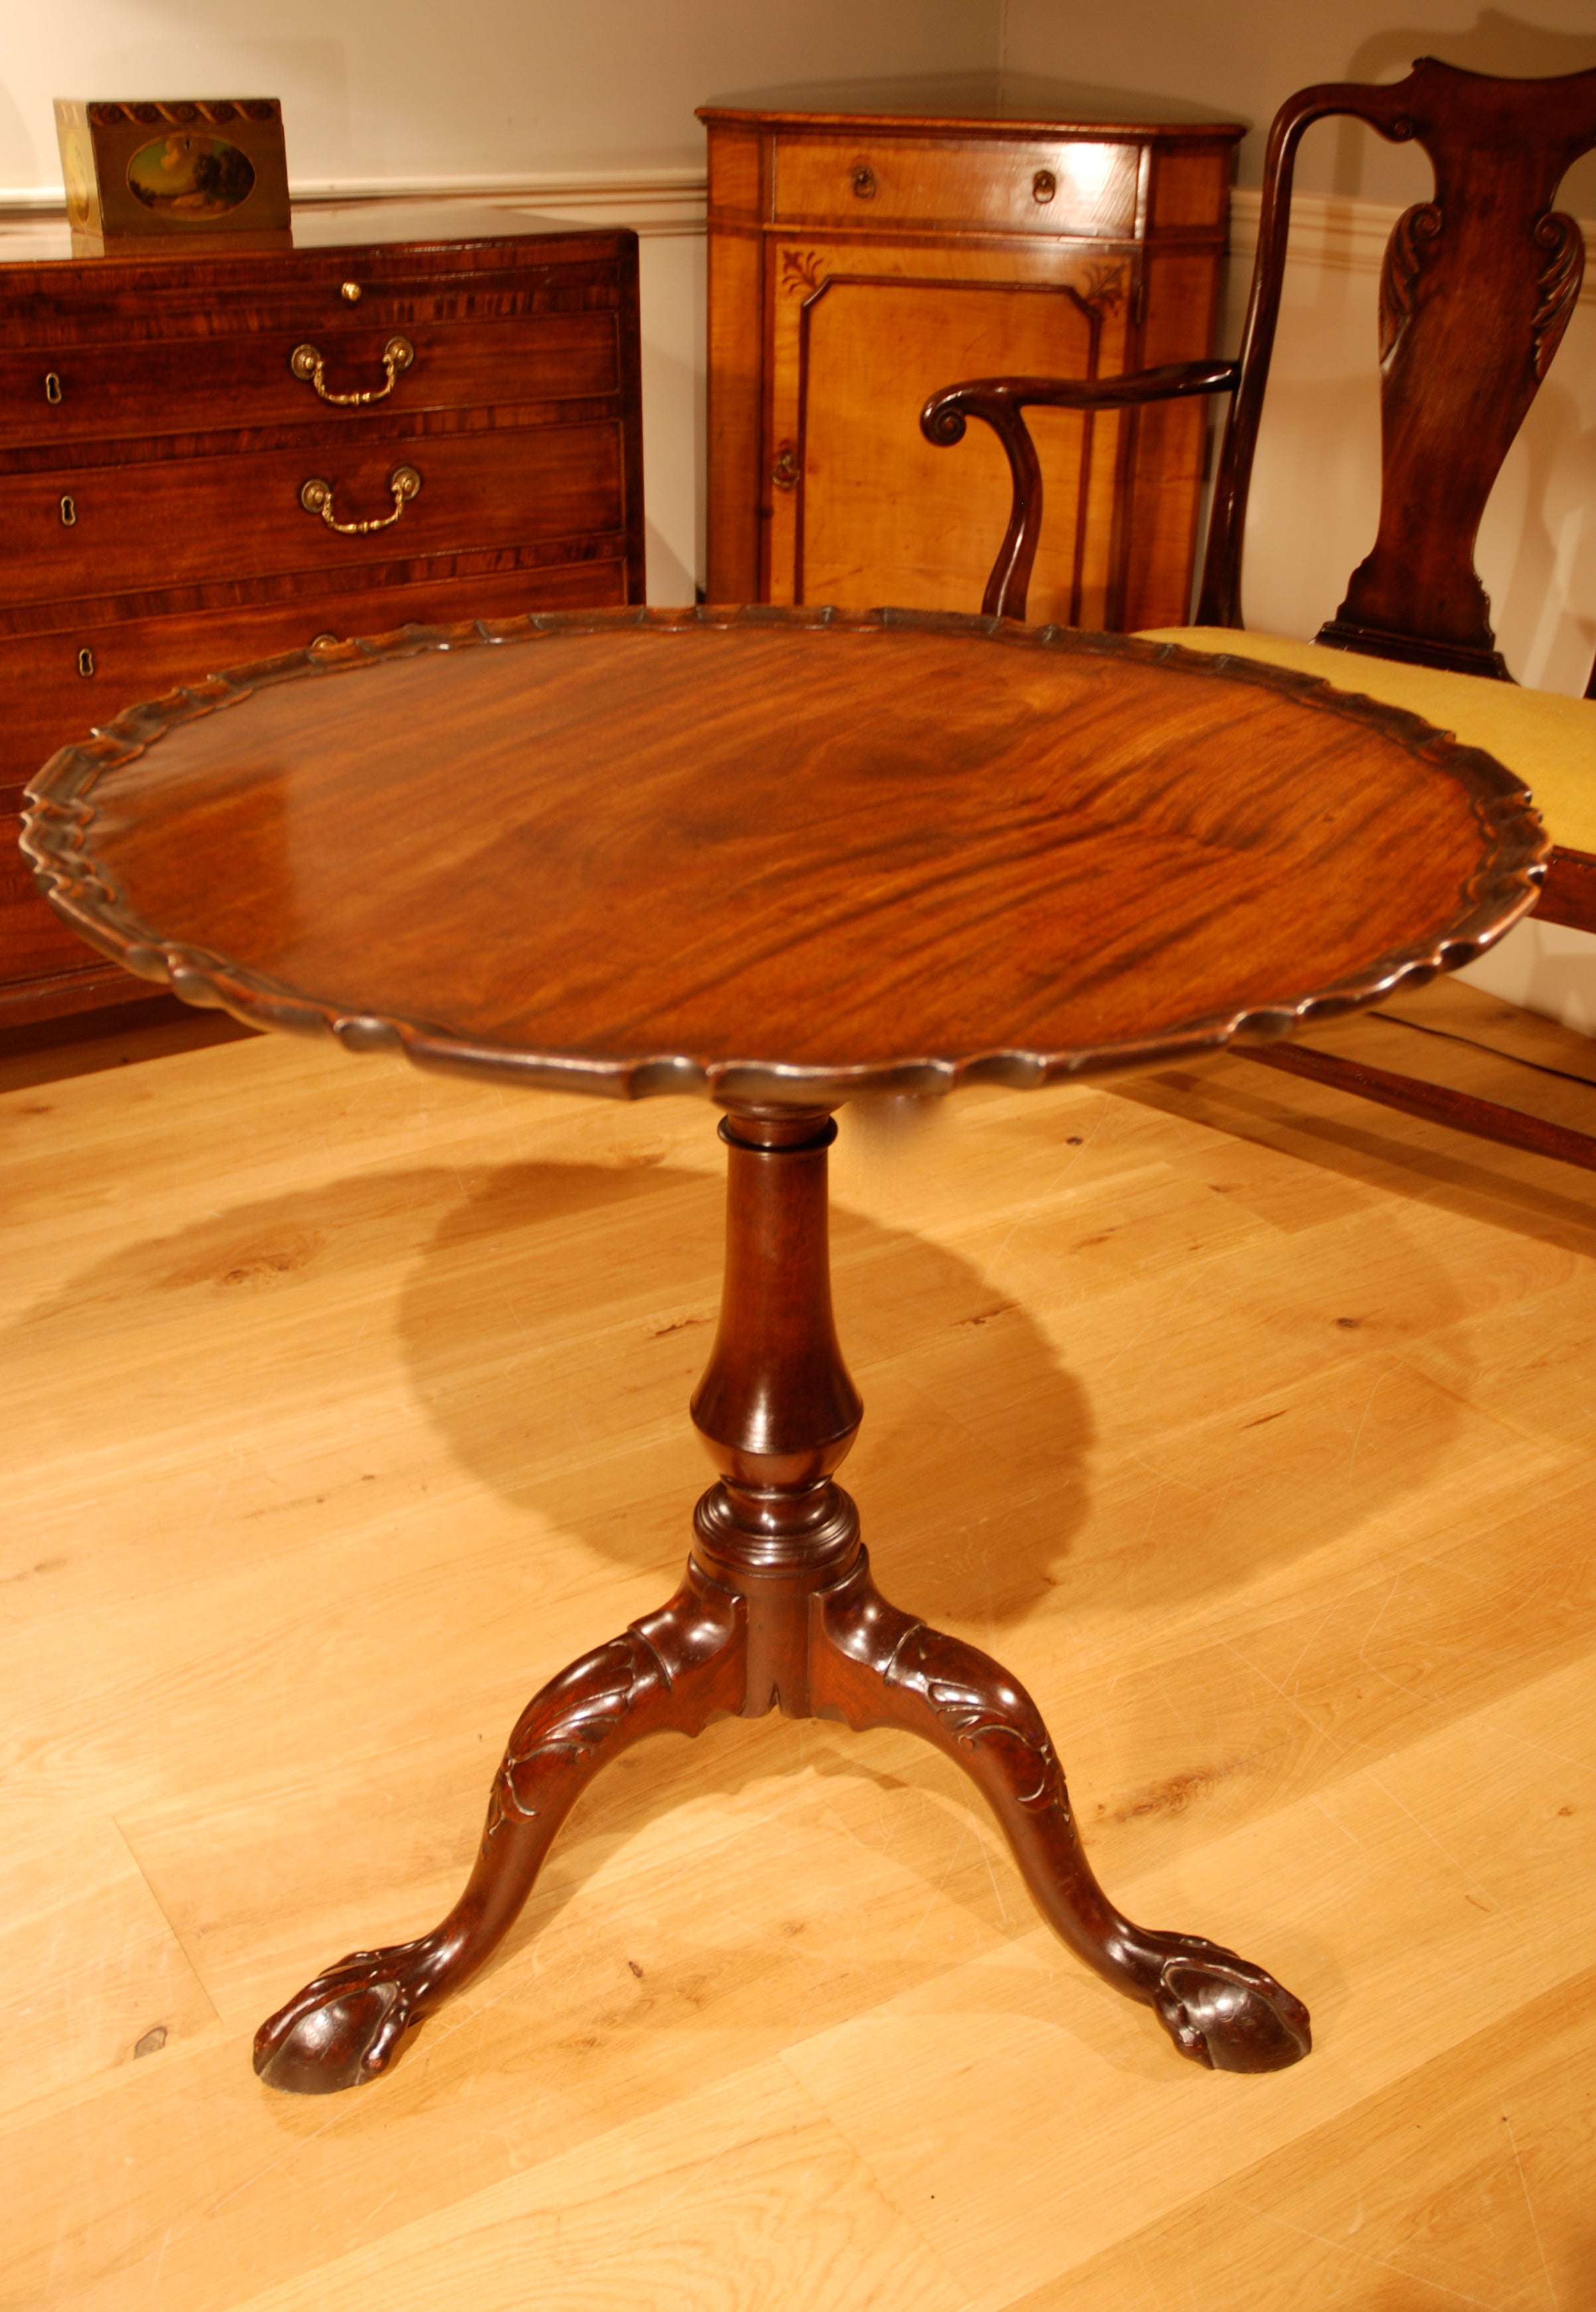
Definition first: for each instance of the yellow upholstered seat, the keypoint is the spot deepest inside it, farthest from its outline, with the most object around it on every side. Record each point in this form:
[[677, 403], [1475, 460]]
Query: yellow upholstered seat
[[1547, 739]]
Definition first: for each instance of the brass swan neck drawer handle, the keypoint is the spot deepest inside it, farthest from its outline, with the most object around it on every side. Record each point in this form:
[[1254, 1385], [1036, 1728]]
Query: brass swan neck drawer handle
[[309, 363], [316, 497]]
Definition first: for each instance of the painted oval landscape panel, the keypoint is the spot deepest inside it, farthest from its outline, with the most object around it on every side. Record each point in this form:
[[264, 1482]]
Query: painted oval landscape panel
[[197, 177]]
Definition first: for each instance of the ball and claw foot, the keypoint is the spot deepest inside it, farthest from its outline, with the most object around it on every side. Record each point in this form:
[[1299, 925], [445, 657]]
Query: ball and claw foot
[[345, 2029], [1225, 2013]]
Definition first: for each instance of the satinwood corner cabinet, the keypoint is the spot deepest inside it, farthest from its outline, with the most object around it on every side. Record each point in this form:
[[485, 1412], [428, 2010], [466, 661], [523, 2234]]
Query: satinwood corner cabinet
[[430, 416], [867, 247]]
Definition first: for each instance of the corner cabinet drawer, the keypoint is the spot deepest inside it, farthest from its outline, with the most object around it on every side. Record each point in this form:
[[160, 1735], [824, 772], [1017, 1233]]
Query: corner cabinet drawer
[[194, 384], [139, 529], [1077, 188]]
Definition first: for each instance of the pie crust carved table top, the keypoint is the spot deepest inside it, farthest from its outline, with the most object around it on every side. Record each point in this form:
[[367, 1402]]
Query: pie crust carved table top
[[781, 855]]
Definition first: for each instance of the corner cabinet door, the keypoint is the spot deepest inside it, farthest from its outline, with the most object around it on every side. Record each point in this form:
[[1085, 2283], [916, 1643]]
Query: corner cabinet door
[[863, 509]]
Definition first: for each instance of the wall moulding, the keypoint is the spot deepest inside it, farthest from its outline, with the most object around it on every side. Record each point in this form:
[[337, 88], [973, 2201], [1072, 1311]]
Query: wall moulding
[[1328, 230], [653, 202]]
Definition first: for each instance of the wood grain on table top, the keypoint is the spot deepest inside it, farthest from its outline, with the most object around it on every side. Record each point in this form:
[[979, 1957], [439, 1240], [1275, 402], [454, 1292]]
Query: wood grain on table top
[[820, 846]]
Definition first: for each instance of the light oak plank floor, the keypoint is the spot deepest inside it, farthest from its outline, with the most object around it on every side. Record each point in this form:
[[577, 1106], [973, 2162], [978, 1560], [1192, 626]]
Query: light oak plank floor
[[1253, 1427]]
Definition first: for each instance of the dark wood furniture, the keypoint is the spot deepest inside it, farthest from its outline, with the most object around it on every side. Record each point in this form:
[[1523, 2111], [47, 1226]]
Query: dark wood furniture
[[204, 459], [784, 859], [862, 244], [1475, 292]]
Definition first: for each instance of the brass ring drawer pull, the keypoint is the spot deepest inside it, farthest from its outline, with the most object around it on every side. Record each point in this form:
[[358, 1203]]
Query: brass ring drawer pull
[[316, 497], [1043, 186], [783, 467], [863, 182], [307, 362]]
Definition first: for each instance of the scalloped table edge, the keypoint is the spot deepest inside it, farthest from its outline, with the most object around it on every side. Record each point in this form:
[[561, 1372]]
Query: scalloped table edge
[[59, 821]]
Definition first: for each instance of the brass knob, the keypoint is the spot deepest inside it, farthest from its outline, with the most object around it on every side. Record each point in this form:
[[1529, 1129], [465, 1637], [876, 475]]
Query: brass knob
[[350, 293], [863, 182], [324, 642], [1043, 185]]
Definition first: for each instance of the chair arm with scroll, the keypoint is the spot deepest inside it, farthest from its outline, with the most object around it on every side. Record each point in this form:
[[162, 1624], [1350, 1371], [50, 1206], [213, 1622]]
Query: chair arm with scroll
[[1000, 402]]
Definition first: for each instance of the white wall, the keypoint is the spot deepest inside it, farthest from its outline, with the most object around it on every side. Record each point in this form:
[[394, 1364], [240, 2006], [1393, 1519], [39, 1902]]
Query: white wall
[[413, 87], [1245, 55]]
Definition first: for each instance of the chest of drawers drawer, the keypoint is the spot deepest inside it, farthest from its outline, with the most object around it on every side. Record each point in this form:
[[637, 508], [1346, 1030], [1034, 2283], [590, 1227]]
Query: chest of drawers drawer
[[161, 522], [53, 397], [208, 461]]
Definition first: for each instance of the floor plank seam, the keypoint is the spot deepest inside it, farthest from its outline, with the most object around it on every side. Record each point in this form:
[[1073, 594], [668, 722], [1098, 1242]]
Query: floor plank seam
[[1474, 1043], [173, 1928]]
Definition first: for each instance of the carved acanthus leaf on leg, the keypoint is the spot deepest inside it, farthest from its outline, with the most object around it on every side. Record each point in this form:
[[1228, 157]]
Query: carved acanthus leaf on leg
[[568, 1720], [874, 1666], [677, 1669], [994, 1709]]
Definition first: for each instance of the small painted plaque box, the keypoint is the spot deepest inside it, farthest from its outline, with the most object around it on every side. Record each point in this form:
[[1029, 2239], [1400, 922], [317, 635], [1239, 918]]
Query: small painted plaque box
[[191, 169]]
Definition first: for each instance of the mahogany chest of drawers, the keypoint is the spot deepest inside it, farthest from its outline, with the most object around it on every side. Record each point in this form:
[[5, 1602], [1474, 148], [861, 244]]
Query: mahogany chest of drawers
[[205, 460], [863, 253]]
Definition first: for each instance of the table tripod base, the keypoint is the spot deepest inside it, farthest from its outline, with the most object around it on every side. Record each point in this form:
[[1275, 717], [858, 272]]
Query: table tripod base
[[777, 1610], [814, 1642]]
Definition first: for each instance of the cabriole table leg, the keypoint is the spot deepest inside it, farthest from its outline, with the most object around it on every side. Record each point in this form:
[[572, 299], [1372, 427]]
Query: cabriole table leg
[[674, 1670], [874, 1666]]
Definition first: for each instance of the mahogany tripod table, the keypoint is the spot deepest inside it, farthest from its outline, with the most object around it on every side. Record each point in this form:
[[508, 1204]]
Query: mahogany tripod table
[[784, 859]]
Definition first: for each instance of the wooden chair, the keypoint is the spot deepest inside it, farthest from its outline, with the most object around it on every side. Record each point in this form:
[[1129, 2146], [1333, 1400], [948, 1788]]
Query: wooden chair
[[1476, 291]]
